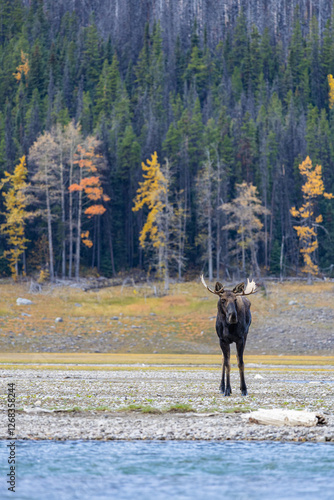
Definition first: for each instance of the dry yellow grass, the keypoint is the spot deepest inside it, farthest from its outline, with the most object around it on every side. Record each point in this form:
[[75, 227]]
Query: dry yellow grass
[[195, 360], [184, 317]]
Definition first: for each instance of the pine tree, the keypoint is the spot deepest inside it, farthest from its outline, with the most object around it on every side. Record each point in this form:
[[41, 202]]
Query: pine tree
[[296, 58], [247, 149], [128, 161], [205, 208], [255, 59], [92, 59]]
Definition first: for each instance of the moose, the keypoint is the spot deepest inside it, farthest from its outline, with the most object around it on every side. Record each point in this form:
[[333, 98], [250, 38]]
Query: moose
[[232, 325]]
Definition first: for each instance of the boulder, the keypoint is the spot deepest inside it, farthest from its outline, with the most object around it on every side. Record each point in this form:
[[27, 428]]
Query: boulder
[[23, 302]]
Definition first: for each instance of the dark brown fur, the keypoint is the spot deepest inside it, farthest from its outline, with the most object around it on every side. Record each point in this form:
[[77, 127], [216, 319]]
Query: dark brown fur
[[232, 324]]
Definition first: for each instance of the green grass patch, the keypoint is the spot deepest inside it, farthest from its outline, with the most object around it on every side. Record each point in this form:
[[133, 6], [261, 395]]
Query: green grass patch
[[75, 408], [139, 408], [180, 408]]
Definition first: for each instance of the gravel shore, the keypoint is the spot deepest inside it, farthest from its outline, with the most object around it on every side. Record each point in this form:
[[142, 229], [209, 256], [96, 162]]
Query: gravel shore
[[164, 403]]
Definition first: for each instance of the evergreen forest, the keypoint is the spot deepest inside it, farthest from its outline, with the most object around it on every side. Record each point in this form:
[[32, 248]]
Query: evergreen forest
[[205, 160]]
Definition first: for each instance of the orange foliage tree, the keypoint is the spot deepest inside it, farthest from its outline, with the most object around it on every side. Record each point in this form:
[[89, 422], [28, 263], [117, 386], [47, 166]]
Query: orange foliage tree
[[90, 185], [308, 220]]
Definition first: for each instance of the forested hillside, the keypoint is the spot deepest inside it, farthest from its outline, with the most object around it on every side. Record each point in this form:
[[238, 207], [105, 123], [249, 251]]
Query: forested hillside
[[231, 118]]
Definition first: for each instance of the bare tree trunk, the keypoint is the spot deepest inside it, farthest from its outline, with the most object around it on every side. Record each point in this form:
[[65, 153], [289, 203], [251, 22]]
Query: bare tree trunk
[[183, 227], [78, 242], [70, 257], [271, 220], [166, 264], [243, 251], [210, 257], [94, 244], [98, 249], [111, 250], [63, 216], [218, 223], [179, 262], [24, 262], [281, 260], [265, 231], [255, 265], [48, 208], [210, 247]]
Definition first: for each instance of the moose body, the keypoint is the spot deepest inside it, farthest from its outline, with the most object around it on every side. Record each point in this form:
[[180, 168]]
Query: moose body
[[232, 325]]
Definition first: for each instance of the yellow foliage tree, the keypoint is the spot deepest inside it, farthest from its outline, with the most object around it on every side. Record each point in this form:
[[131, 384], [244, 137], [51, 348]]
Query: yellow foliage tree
[[15, 203], [153, 192], [306, 231], [22, 69]]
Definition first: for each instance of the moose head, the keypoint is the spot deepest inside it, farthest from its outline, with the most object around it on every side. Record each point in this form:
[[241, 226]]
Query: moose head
[[228, 298]]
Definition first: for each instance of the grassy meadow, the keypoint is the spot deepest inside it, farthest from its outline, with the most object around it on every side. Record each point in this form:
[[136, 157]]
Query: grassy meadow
[[132, 320]]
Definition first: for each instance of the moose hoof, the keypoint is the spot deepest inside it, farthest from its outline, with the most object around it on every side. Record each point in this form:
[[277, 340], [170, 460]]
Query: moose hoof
[[228, 391], [244, 392]]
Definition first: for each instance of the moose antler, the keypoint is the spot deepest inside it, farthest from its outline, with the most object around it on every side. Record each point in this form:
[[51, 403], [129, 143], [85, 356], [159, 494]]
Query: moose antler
[[217, 291], [250, 288]]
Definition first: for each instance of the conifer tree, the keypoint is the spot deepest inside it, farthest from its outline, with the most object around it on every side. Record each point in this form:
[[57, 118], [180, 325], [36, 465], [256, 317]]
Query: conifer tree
[[128, 160], [205, 209]]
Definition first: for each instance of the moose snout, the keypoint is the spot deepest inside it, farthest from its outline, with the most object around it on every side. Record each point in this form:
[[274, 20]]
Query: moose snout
[[232, 318]]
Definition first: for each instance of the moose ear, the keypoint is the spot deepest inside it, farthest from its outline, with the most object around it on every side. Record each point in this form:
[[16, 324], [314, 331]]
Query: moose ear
[[239, 288], [218, 286]]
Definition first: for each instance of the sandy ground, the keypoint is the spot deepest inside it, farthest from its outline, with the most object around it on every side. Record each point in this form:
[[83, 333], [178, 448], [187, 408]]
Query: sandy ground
[[164, 402]]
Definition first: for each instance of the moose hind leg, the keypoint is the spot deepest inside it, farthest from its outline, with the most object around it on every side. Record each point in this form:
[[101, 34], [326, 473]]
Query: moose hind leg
[[241, 366]]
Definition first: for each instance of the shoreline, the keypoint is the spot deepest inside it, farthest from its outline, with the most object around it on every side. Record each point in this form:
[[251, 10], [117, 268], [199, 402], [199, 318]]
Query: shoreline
[[176, 427]]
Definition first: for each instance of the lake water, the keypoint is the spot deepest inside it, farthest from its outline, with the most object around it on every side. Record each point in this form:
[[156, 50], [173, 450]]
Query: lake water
[[85, 470]]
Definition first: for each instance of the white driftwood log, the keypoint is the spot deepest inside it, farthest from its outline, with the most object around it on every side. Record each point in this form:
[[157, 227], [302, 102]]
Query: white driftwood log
[[280, 417]]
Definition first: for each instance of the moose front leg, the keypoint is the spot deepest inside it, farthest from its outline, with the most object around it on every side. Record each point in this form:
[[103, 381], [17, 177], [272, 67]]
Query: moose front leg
[[226, 390], [241, 366]]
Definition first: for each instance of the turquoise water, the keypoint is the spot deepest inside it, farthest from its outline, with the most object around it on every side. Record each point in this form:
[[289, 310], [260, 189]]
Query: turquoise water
[[85, 470]]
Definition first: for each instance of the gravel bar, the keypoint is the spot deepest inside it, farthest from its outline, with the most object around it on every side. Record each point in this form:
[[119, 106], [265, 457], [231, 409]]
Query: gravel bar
[[164, 404]]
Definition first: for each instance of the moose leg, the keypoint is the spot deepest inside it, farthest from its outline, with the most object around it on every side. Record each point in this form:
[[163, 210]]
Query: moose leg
[[240, 356], [227, 366], [222, 383]]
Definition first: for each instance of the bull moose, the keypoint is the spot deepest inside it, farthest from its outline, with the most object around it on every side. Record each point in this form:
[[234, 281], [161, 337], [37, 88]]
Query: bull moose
[[232, 325]]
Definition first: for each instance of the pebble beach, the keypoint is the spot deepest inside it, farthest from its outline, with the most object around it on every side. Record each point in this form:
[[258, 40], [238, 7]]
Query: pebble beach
[[165, 403]]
